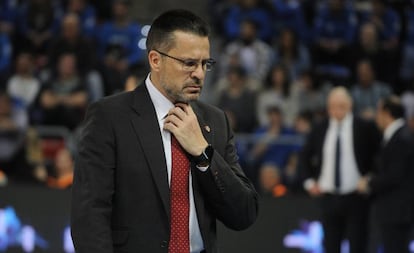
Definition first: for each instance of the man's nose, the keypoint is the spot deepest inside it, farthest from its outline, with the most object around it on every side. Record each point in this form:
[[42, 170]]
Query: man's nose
[[199, 73]]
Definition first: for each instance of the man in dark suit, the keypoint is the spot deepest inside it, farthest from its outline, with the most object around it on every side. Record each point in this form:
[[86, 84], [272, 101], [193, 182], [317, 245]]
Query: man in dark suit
[[156, 167], [392, 184], [337, 153]]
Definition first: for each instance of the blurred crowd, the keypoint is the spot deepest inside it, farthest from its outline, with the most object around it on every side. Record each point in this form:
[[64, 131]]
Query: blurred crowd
[[277, 60]]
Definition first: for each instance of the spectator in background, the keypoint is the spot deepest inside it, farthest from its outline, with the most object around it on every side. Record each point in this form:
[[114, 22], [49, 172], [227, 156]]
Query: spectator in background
[[291, 53], [367, 91], [407, 63], [392, 183], [306, 95], [62, 172], [64, 99], [71, 41], [8, 16], [271, 181], [368, 47], [274, 143], [118, 46], [334, 31], [13, 124], [288, 14], [254, 10], [337, 153], [103, 8], [249, 51], [5, 57], [388, 25], [23, 86], [239, 102], [86, 14], [275, 93], [303, 123], [38, 23]]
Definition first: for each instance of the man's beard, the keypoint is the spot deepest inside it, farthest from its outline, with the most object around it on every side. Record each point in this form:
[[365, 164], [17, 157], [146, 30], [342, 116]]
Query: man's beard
[[179, 95]]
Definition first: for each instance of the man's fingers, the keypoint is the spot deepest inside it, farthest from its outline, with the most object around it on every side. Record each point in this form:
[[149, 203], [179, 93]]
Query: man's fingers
[[186, 108], [170, 127], [178, 112], [173, 119]]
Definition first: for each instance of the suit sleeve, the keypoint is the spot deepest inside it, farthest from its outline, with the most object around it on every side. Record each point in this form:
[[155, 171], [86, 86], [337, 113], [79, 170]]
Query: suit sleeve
[[93, 185], [309, 158], [226, 189], [396, 168]]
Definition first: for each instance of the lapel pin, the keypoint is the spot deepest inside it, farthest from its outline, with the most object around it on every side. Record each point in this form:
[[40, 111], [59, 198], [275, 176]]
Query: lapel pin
[[207, 128]]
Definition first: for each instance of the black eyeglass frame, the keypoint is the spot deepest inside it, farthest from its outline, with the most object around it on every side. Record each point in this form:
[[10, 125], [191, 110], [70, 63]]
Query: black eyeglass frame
[[191, 64]]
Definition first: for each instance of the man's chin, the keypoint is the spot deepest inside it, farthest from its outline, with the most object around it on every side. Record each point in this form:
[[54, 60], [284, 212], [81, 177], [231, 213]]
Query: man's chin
[[189, 98]]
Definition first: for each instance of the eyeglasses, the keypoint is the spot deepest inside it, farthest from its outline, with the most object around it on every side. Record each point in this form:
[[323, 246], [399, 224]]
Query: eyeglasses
[[190, 64]]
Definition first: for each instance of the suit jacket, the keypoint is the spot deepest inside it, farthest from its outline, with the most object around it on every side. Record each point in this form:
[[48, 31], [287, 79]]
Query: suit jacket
[[392, 185], [120, 199], [366, 139]]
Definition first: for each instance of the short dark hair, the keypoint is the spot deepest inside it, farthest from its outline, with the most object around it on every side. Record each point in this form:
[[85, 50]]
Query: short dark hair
[[160, 35], [393, 106]]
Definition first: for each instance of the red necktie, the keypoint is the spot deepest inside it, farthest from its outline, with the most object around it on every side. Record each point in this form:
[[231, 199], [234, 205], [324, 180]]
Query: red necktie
[[180, 206]]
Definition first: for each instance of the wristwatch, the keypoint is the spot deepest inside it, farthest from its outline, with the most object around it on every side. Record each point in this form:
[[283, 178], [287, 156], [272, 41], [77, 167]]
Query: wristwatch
[[204, 159]]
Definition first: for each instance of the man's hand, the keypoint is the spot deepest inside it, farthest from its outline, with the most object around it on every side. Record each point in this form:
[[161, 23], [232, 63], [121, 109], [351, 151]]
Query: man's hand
[[182, 122], [315, 191], [363, 186]]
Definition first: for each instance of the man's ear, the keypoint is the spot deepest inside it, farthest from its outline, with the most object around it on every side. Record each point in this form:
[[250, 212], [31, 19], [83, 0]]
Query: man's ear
[[154, 60]]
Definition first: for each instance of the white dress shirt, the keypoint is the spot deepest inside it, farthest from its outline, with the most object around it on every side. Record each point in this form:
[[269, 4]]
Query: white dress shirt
[[162, 106], [392, 128], [348, 167]]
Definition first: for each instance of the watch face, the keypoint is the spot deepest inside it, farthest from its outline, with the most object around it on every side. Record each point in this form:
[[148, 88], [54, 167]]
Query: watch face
[[204, 159]]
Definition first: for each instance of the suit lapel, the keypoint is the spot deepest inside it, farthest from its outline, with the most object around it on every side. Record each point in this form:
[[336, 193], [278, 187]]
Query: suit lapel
[[145, 122], [206, 129], [208, 132]]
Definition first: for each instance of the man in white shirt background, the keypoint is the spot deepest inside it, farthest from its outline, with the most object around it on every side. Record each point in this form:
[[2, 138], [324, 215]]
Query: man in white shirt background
[[337, 153]]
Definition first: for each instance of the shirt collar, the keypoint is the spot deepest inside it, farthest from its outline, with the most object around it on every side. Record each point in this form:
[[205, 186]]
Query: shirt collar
[[161, 103], [345, 122], [392, 128]]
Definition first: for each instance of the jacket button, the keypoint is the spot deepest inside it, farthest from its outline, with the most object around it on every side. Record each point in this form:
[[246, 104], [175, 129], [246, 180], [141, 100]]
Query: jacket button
[[164, 244]]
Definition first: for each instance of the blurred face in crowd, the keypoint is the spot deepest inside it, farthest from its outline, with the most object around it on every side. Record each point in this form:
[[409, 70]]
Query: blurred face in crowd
[[307, 81], [278, 77], [70, 27], [24, 64], [275, 117], [67, 65], [120, 10], [269, 177], [172, 77], [76, 5], [302, 125], [235, 79], [63, 162], [247, 32], [365, 73], [287, 39], [339, 104], [368, 35]]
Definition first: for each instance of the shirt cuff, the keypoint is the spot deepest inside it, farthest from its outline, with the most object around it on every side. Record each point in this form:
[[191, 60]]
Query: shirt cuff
[[309, 183], [202, 168]]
